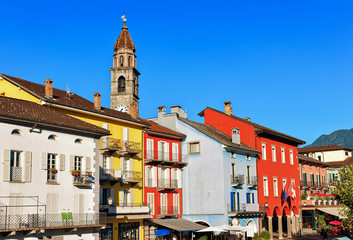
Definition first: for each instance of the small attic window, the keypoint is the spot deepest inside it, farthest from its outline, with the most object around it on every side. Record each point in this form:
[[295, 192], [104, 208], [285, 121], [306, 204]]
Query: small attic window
[[16, 132], [53, 137], [79, 141]]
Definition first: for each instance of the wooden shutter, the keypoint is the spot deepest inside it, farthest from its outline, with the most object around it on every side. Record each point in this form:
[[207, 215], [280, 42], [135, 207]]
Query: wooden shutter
[[72, 158], [121, 197], [28, 166], [131, 164], [125, 134], [7, 165], [82, 203], [154, 176], [146, 177], [62, 162], [152, 148], [159, 174], [44, 161], [88, 164], [160, 150], [131, 195], [76, 203], [179, 178], [166, 151]]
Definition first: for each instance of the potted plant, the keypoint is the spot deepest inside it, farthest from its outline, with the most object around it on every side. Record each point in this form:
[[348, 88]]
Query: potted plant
[[89, 173], [304, 196], [265, 235], [110, 201], [75, 172], [53, 170]]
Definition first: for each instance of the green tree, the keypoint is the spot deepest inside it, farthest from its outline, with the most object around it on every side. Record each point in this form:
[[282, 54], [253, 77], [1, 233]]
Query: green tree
[[343, 190]]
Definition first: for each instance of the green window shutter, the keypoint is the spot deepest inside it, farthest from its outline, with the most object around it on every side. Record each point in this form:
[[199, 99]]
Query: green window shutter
[[304, 179]]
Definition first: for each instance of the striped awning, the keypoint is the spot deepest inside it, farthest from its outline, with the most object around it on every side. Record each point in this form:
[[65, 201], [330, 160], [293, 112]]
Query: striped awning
[[178, 224]]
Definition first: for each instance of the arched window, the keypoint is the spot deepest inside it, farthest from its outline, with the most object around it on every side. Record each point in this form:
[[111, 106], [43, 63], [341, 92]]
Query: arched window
[[121, 61], [16, 132], [53, 137], [129, 61], [78, 140], [121, 84]]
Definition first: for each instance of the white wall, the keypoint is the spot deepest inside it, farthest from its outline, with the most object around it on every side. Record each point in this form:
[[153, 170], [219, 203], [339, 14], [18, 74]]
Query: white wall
[[330, 156]]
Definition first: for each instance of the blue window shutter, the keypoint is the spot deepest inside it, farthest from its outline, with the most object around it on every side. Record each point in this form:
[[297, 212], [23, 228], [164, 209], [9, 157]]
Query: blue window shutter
[[231, 202], [253, 198], [247, 197], [238, 201]]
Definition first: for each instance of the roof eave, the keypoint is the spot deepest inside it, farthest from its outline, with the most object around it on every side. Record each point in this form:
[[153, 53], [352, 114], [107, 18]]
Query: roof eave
[[165, 134]]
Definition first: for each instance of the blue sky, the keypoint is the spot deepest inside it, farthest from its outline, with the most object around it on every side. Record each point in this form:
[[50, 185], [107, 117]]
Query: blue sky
[[285, 64]]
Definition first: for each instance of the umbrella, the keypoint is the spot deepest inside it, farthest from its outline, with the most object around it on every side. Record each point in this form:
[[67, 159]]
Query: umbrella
[[315, 193], [161, 232], [335, 223], [211, 229]]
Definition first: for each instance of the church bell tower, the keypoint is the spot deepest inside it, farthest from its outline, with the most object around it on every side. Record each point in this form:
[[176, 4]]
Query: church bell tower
[[124, 75]]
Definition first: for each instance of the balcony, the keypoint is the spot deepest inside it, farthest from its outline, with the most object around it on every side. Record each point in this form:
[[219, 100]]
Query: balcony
[[109, 175], [131, 147], [30, 222], [237, 180], [166, 158], [149, 183], [81, 179], [167, 184], [252, 181], [112, 145], [320, 202], [125, 208], [313, 185], [16, 174], [236, 209], [167, 211], [133, 177]]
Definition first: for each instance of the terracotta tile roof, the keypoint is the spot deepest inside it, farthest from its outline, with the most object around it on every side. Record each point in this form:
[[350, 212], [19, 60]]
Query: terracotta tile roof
[[338, 164], [323, 148], [258, 127], [156, 128], [303, 159], [218, 135], [17, 109], [124, 40], [61, 97]]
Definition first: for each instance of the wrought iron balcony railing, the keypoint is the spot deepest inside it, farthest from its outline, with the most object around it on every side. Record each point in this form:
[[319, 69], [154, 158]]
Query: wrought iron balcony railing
[[131, 176], [237, 179], [246, 207], [106, 173], [115, 144], [42, 221], [82, 179], [167, 210], [168, 183], [252, 181], [167, 158], [16, 174]]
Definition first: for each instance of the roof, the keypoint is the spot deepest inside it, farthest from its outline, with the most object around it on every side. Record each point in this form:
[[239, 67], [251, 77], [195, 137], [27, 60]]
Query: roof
[[338, 164], [13, 108], [178, 224], [73, 100], [323, 148], [218, 135], [156, 128], [124, 40], [258, 127], [303, 159]]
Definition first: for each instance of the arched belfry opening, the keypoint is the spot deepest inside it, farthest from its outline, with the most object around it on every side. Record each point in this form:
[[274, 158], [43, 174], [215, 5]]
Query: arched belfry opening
[[121, 84]]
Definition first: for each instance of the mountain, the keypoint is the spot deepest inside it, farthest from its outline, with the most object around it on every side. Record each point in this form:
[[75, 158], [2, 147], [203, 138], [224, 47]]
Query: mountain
[[342, 137]]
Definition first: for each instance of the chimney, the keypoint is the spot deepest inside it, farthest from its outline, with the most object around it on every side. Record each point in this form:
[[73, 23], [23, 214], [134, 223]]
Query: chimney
[[97, 100], [235, 135], [179, 111], [133, 110], [227, 108], [161, 110], [48, 88], [247, 119]]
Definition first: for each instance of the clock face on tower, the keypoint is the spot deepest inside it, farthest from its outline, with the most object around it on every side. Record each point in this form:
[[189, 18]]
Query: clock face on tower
[[121, 108]]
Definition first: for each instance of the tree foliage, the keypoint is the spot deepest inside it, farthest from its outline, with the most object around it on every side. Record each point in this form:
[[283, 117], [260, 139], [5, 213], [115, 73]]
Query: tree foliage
[[343, 190]]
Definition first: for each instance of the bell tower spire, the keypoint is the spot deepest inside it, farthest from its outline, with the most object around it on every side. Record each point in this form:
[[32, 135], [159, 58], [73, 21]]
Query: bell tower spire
[[124, 75]]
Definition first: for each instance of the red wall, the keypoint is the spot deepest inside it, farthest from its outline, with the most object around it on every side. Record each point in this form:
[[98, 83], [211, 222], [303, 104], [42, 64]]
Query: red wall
[[157, 194], [264, 167]]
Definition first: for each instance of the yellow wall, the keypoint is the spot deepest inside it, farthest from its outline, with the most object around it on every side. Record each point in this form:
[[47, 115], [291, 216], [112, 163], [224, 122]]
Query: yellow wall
[[8, 89]]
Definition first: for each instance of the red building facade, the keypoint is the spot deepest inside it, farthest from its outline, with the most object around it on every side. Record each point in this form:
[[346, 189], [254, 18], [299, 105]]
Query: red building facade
[[277, 167], [162, 171]]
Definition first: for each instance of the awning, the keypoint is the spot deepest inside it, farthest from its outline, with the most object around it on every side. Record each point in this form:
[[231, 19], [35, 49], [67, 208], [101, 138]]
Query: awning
[[178, 224], [143, 216], [332, 211]]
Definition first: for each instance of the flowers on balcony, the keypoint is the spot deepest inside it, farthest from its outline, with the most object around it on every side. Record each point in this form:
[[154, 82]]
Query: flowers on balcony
[[75, 172], [54, 170]]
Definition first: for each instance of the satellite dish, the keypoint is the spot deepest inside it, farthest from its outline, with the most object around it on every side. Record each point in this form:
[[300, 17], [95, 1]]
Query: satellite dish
[[235, 221]]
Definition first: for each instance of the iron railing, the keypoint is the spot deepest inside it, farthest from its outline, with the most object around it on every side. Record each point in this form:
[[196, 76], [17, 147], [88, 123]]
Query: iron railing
[[16, 174], [131, 176], [31, 221], [120, 145], [154, 155], [253, 180], [245, 207], [167, 210], [106, 173], [168, 183], [82, 179], [237, 179], [131, 146]]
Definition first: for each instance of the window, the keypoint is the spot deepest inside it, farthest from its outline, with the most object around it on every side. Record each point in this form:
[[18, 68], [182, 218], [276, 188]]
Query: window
[[274, 153], [79, 141], [318, 181], [319, 158], [53, 137], [312, 180], [121, 84], [163, 150], [275, 187], [129, 231], [121, 61], [194, 148], [248, 177], [234, 201], [51, 168], [291, 159], [264, 151], [233, 173], [284, 182], [346, 153], [175, 152], [150, 153], [248, 198], [232, 155], [77, 163], [16, 166], [16, 132], [150, 202], [305, 183], [129, 62], [283, 155], [248, 157], [176, 200], [265, 186]]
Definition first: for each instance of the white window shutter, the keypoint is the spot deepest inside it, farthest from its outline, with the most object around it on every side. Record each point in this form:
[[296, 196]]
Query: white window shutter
[[44, 161], [121, 197], [72, 157], [125, 134], [62, 162], [82, 203], [88, 164], [28, 166], [76, 203], [166, 151], [154, 176], [160, 150], [146, 177], [6, 177], [131, 162], [55, 202], [131, 196], [159, 174], [179, 178], [152, 148]]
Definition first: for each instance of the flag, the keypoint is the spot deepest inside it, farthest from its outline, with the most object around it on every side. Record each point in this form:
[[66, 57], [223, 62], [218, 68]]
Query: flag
[[291, 191], [285, 193]]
